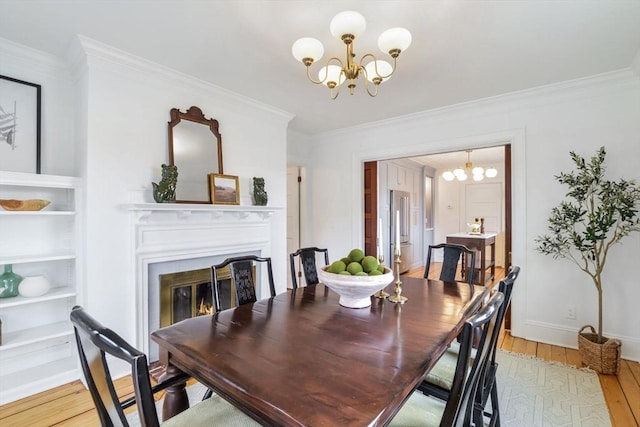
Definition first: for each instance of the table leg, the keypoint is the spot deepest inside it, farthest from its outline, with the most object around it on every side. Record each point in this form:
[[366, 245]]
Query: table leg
[[175, 399]]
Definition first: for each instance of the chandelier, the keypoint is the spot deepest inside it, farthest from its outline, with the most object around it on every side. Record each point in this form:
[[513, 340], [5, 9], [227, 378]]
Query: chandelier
[[477, 172], [347, 26]]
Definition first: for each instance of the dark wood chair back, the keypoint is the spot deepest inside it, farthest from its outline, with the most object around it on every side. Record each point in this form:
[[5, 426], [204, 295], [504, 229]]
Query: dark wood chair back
[[459, 408], [94, 342], [308, 265], [452, 256], [242, 273]]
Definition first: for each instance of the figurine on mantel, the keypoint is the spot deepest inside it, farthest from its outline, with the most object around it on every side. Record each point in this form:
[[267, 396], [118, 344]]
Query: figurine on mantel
[[165, 190], [259, 194]]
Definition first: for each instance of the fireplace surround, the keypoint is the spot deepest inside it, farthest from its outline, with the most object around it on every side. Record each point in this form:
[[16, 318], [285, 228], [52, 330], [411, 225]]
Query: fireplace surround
[[169, 238]]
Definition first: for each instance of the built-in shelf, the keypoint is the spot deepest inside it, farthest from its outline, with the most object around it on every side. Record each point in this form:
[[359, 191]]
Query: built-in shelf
[[20, 259], [34, 335], [53, 294], [42, 377], [37, 213]]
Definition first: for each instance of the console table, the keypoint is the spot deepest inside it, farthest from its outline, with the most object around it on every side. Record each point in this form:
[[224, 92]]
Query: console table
[[479, 243]]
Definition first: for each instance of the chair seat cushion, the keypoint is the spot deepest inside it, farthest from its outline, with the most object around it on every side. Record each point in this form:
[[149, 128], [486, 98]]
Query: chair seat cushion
[[419, 410], [442, 373], [212, 411]]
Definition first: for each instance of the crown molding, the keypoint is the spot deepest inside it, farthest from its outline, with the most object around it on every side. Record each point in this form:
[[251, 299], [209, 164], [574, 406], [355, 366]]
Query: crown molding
[[93, 52], [24, 57], [540, 95]]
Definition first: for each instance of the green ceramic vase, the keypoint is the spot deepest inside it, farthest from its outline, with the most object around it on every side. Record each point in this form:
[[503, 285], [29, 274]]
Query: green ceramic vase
[[9, 282]]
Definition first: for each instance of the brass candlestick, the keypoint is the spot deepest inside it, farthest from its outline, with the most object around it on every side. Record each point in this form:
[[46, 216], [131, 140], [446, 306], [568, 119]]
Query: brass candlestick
[[381, 294], [397, 288]]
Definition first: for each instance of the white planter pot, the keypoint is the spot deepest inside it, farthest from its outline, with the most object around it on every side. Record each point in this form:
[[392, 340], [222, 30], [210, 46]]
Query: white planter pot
[[34, 286]]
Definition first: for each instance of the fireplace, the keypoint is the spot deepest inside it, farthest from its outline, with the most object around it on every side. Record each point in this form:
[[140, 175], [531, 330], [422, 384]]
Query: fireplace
[[172, 238]]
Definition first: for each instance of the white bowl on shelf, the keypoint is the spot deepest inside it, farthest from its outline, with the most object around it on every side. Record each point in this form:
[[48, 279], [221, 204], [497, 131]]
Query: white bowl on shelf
[[355, 291]]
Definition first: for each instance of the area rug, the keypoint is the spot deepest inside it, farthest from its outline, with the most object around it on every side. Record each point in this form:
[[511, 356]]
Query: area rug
[[531, 392], [536, 393]]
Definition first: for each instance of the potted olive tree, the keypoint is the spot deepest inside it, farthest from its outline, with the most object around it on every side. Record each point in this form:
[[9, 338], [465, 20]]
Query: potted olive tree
[[596, 214]]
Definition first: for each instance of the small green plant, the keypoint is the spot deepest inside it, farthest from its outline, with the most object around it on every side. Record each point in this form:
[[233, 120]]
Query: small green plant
[[596, 214]]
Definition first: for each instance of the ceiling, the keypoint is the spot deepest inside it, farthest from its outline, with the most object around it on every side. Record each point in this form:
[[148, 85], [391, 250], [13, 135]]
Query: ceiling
[[461, 50]]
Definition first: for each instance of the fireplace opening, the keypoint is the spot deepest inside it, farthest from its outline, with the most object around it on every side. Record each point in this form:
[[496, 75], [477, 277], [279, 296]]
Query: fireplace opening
[[187, 294]]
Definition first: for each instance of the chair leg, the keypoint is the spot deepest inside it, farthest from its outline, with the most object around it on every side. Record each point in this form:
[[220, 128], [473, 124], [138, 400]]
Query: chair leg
[[207, 394]]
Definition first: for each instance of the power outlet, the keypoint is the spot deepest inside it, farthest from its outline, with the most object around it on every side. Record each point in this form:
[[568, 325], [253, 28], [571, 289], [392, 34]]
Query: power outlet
[[571, 313]]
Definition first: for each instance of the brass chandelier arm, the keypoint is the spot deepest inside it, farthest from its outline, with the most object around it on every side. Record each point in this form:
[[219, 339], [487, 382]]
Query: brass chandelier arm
[[375, 64], [375, 83], [318, 82]]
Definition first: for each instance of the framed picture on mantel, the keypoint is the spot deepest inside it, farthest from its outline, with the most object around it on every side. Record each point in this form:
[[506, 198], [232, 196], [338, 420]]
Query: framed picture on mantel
[[224, 189], [20, 124]]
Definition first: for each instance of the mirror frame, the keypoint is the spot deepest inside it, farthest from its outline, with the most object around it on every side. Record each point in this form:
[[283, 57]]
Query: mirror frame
[[194, 114]]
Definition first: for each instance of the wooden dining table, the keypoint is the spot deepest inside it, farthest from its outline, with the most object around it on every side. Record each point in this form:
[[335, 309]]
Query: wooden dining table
[[301, 359]]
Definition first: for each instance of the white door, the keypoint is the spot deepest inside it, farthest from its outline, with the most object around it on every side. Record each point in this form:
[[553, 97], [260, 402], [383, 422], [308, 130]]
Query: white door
[[485, 201], [293, 214]]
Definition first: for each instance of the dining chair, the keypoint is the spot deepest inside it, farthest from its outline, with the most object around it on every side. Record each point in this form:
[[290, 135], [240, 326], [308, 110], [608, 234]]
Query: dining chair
[[242, 273], [96, 344], [307, 259], [458, 408], [452, 255], [438, 381]]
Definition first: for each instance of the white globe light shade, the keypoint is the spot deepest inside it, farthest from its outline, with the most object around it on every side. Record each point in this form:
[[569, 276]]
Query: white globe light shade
[[347, 22], [334, 72], [394, 38], [384, 69], [448, 176], [458, 172], [477, 170], [491, 172], [478, 177], [307, 47], [462, 177]]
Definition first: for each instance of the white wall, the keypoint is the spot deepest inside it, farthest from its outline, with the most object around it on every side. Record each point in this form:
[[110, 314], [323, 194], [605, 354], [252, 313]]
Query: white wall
[[57, 143], [542, 125]]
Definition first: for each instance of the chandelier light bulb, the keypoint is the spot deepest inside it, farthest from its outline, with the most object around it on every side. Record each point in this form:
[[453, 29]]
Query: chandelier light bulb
[[462, 177], [491, 172], [458, 172], [307, 47], [334, 73], [347, 22], [477, 170], [448, 176], [478, 177], [383, 67], [394, 39]]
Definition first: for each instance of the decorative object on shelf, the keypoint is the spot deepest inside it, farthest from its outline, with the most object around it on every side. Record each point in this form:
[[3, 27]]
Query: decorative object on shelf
[[259, 194], [24, 205], [34, 286], [481, 225], [224, 189], [9, 282], [475, 226], [347, 26], [195, 147], [20, 125], [478, 173], [165, 190], [596, 214]]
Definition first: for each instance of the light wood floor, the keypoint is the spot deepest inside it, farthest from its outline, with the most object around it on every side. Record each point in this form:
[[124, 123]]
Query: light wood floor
[[71, 404]]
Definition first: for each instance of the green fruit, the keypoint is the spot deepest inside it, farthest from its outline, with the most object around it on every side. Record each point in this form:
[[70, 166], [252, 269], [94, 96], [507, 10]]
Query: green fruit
[[369, 263], [381, 268], [356, 255], [336, 267], [361, 273], [375, 273], [346, 261], [354, 268], [345, 273]]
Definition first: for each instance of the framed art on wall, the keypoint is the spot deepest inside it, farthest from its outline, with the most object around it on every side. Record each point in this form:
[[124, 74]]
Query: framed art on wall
[[224, 189], [20, 124]]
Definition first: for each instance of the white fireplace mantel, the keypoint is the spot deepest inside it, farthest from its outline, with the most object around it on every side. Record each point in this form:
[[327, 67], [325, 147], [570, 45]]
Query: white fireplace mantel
[[169, 232]]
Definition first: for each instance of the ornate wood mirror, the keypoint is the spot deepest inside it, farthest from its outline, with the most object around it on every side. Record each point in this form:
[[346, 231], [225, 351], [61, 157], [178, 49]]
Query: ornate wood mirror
[[195, 147]]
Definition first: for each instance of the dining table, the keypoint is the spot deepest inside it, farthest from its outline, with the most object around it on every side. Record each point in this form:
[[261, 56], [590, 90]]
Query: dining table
[[302, 359]]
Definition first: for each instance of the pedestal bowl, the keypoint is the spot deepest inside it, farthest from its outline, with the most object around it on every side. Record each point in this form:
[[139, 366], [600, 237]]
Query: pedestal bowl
[[355, 291]]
